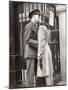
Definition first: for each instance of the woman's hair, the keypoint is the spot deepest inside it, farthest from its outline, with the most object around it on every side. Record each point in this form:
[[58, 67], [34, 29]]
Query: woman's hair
[[45, 21], [44, 24]]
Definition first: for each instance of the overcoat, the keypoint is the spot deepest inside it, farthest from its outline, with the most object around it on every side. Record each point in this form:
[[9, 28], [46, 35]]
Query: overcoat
[[44, 52]]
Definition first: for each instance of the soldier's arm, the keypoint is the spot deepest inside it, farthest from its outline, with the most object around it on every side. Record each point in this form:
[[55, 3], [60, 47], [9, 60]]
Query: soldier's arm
[[28, 37], [33, 43]]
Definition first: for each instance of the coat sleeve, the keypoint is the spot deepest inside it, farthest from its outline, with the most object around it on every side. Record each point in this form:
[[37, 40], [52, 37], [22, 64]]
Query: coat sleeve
[[29, 39], [26, 35], [33, 43]]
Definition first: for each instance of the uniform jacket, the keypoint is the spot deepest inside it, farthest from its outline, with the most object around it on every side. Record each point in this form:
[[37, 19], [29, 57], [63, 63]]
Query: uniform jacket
[[30, 41]]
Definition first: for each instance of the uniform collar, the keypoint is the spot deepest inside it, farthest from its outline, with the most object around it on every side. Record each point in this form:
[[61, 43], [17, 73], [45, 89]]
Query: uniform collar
[[36, 26]]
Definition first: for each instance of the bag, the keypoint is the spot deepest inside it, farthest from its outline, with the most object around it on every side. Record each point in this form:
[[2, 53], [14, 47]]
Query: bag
[[41, 64]]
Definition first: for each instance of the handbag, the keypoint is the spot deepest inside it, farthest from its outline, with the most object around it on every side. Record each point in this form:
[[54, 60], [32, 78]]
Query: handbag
[[40, 63]]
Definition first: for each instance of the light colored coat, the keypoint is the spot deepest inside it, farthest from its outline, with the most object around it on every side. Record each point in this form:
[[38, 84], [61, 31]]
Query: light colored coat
[[45, 52]]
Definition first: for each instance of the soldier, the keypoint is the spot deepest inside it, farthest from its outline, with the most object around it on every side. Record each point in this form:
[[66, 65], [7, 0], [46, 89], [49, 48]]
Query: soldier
[[30, 46]]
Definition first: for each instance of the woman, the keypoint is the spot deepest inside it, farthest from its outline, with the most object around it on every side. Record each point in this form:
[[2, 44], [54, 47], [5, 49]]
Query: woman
[[45, 65]]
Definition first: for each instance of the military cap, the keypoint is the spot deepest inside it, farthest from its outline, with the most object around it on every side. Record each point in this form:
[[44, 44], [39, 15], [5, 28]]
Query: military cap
[[34, 12]]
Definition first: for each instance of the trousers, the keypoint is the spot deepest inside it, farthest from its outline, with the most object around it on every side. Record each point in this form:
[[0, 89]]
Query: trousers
[[30, 72]]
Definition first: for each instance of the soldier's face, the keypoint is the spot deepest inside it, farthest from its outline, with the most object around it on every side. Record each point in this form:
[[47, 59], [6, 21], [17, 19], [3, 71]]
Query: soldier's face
[[40, 19], [37, 17]]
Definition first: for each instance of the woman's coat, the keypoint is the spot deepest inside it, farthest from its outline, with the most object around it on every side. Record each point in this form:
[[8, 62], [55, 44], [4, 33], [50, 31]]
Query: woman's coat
[[44, 52]]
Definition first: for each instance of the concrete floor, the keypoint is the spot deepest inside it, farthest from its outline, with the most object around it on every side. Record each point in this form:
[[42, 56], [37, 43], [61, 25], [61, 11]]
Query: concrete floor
[[61, 83]]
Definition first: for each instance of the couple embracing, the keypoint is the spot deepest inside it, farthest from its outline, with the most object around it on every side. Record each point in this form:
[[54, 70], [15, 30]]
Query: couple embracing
[[37, 52]]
